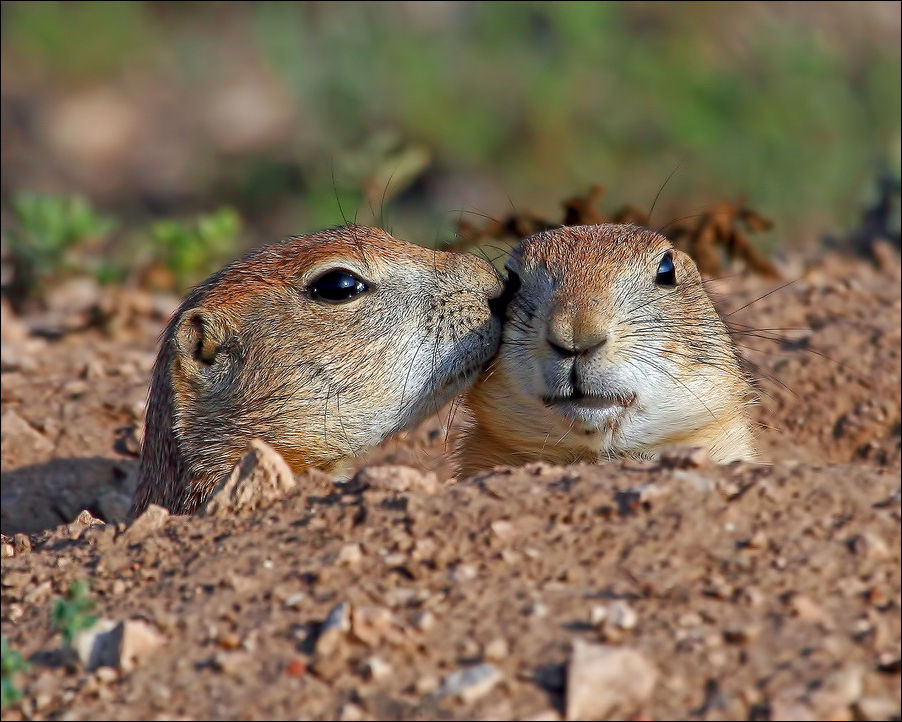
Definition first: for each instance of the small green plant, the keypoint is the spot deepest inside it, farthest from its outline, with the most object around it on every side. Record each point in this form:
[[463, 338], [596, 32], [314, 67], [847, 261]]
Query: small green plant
[[191, 250], [46, 231], [11, 663], [71, 614]]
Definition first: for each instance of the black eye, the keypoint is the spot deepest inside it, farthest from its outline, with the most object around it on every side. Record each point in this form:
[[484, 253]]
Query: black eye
[[337, 287], [666, 271]]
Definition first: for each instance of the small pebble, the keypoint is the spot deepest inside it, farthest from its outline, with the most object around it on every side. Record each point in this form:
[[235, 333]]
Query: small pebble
[[22, 543], [377, 669], [426, 684], [350, 554], [464, 573], [497, 649], [622, 615], [371, 624], [334, 628], [296, 668], [351, 713], [471, 683], [293, 601], [424, 621]]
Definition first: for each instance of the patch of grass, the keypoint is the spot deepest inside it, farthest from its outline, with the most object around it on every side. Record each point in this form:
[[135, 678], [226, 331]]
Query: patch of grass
[[72, 613], [47, 231], [11, 663], [192, 249]]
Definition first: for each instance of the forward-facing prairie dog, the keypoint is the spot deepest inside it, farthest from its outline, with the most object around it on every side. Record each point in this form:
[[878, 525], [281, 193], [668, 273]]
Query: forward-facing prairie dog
[[322, 346], [610, 348]]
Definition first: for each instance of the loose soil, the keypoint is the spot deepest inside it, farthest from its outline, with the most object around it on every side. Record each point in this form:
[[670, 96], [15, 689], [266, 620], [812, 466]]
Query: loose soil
[[758, 591]]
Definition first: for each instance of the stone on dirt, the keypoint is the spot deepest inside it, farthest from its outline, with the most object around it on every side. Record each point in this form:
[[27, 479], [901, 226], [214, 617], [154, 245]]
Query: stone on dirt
[[471, 683], [152, 520], [398, 479], [260, 478], [371, 624], [334, 629], [17, 432], [603, 681], [121, 645]]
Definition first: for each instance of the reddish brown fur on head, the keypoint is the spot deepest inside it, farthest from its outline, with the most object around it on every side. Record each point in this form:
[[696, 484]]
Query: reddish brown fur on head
[[253, 352], [603, 356]]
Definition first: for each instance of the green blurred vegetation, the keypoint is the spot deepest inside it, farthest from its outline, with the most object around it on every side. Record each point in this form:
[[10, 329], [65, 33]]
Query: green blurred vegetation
[[47, 233], [11, 663], [72, 613], [54, 236], [190, 250], [794, 107]]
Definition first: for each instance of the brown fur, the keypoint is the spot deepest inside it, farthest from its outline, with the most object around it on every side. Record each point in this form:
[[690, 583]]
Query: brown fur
[[661, 352], [249, 354]]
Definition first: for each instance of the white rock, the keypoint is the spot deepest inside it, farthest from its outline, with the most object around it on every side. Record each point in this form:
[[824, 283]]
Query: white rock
[[496, 649], [603, 681], [121, 645], [471, 683], [139, 641], [350, 554], [377, 669], [620, 614], [98, 646]]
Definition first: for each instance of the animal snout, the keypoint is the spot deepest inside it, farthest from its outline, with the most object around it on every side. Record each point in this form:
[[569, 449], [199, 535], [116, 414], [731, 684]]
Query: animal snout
[[576, 335]]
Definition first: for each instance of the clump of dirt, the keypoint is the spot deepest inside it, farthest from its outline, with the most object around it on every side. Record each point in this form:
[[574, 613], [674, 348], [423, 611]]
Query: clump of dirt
[[707, 237], [754, 591]]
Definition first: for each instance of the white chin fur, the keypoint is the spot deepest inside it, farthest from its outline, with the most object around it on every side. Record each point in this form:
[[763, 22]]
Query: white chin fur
[[596, 417]]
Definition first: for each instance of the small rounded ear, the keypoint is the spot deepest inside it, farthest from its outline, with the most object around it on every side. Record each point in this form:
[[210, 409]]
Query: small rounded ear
[[200, 335]]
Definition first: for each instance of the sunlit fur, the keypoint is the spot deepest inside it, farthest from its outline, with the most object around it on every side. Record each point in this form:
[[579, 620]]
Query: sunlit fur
[[655, 363], [251, 354]]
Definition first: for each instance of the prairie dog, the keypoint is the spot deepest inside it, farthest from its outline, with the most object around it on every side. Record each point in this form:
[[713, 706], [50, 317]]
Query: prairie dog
[[611, 348], [322, 346]]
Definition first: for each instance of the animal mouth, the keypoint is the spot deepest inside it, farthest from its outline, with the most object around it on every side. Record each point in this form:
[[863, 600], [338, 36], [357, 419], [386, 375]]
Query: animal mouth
[[580, 400]]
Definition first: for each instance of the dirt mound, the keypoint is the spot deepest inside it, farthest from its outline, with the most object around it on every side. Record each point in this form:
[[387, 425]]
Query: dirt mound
[[752, 591]]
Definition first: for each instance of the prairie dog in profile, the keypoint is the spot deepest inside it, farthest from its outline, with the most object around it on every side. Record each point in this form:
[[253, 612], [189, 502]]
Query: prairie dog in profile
[[610, 348], [322, 346]]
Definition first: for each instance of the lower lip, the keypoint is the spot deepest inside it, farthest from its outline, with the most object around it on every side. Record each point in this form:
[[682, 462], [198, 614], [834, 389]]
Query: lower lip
[[591, 410]]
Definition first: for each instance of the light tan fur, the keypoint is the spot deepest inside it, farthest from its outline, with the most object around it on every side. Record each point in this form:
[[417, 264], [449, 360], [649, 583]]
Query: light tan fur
[[252, 354], [597, 361]]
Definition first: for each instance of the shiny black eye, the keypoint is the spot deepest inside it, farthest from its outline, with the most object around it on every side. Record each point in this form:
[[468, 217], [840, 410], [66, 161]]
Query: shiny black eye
[[337, 286], [666, 271]]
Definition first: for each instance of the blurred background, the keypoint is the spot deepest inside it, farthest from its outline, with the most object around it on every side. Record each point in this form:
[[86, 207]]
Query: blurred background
[[149, 142]]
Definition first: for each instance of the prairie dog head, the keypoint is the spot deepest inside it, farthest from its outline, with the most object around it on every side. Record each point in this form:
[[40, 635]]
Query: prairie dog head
[[322, 346], [611, 347]]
